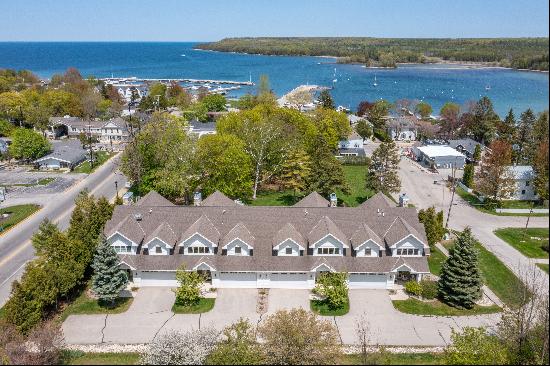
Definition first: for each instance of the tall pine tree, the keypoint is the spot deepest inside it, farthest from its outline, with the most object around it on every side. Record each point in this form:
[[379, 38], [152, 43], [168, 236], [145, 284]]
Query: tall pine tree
[[108, 279], [383, 173], [460, 281]]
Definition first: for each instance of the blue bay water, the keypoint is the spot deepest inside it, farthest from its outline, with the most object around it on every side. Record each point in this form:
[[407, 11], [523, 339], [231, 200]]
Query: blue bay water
[[435, 84]]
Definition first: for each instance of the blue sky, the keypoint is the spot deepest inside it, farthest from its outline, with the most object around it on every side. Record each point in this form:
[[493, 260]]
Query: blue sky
[[206, 20]]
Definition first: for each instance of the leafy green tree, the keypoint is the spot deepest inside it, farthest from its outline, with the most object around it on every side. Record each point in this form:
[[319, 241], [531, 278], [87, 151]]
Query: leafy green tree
[[363, 129], [424, 109], [60, 103], [214, 102], [247, 101], [474, 346], [28, 144], [6, 128], [327, 175], [299, 337], [334, 287], [239, 346], [468, 176], [433, 224], [265, 95], [333, 125], [224, 166], [35, 111], [296, 171], [189, 290], [108, 278], [460, 280], [325, 99], [11, 104], [383, 175]]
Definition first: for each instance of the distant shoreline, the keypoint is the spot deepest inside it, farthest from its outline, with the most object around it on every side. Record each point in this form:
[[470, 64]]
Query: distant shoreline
[[466, 64]]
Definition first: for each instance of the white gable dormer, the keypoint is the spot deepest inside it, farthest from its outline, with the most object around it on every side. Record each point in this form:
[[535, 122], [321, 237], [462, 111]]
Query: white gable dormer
[[238, 247], [328, 245], [368, 249], [409, 246], [156, 246], [288, 247], [197, 244], [122, 244]]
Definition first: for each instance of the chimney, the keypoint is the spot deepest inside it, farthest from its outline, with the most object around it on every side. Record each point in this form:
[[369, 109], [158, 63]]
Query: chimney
[[197, 198], [333, 200]]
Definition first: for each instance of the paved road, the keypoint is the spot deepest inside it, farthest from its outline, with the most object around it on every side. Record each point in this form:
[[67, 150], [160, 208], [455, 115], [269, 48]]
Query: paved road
[[150, 315], [419, 186], [15, 245]]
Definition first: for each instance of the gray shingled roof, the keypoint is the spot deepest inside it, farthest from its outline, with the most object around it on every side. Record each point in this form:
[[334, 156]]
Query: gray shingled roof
[[313, 199], [69, 151], [153, 199], [241, 232], [325, 227], [265, 224], [379, 200], [165, 233], [218, 199], [205, 228], [398, 230], [288, 231], [129, 227], [363, 234]]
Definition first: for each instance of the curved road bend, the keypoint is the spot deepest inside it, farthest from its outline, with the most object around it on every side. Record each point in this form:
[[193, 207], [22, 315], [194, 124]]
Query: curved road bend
[[15, 245]]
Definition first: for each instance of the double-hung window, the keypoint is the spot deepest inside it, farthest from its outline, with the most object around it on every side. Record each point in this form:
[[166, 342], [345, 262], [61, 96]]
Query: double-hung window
[[328, 251]]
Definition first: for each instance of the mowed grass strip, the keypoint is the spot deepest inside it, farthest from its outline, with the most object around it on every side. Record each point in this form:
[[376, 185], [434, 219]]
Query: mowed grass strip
[[387, 358], [436, 260], [437, 308], [92, 358], [529, 241], [321, 307], [202, 306], [16, 215], [86, 305]]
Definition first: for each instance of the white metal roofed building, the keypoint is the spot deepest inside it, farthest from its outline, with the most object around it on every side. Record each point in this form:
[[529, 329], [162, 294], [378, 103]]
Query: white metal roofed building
[[440, 156], [377, 243]]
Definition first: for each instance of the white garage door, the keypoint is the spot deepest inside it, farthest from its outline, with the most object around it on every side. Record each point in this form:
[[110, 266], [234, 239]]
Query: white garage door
[[288, 280], [159, 279], [367, 280], [238, 279]]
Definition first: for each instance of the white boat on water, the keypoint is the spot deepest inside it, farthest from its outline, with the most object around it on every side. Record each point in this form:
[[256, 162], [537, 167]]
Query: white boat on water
[[375, 83], [487, 87]]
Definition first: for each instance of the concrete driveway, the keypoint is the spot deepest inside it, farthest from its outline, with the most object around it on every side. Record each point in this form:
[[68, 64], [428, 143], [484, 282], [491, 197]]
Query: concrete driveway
[[391, 327], [287, 299]]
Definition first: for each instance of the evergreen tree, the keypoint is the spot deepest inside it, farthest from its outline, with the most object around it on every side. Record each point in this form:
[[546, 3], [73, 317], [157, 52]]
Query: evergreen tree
[[485, 121], [327, 174], [477, 153], [540, 166], [508, 128], [296, 171], [383, 171], [326, 99], [460, 280], [108, 279], [468, 177], [525, 136]]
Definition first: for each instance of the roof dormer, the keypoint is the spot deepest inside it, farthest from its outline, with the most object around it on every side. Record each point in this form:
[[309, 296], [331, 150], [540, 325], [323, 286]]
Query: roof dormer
[[238, 241]]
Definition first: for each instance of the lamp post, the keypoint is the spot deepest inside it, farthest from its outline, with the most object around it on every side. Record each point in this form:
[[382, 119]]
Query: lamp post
[[116, 188]]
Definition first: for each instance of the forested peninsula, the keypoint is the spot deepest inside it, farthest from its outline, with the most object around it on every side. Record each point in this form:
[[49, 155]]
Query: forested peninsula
[[517, 53]]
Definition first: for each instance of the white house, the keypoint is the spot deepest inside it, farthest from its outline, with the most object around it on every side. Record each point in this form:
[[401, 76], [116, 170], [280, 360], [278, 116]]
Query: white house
[[524, 176], [377, 244], [402, 128]]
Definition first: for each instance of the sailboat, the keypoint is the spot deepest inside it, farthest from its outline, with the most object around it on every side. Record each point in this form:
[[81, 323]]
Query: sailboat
[[375, 83], [335, 79], [487, 87]]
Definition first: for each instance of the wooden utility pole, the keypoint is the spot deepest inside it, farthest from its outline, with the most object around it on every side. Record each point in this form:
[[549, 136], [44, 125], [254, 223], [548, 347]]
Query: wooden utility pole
[[452, 196]]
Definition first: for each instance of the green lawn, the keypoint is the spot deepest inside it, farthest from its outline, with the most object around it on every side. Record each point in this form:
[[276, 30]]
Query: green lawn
[[82, 358], [322, 308], [86, 305], [17, 214], [543, 266], [436, 260], [355, 176], [204, 305], [100, 156], [529, 242], [387, 358], [473, 201], [414, 306]]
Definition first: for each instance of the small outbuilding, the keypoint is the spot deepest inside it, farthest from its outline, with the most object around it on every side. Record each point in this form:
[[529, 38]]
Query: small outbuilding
[[440, 156]]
